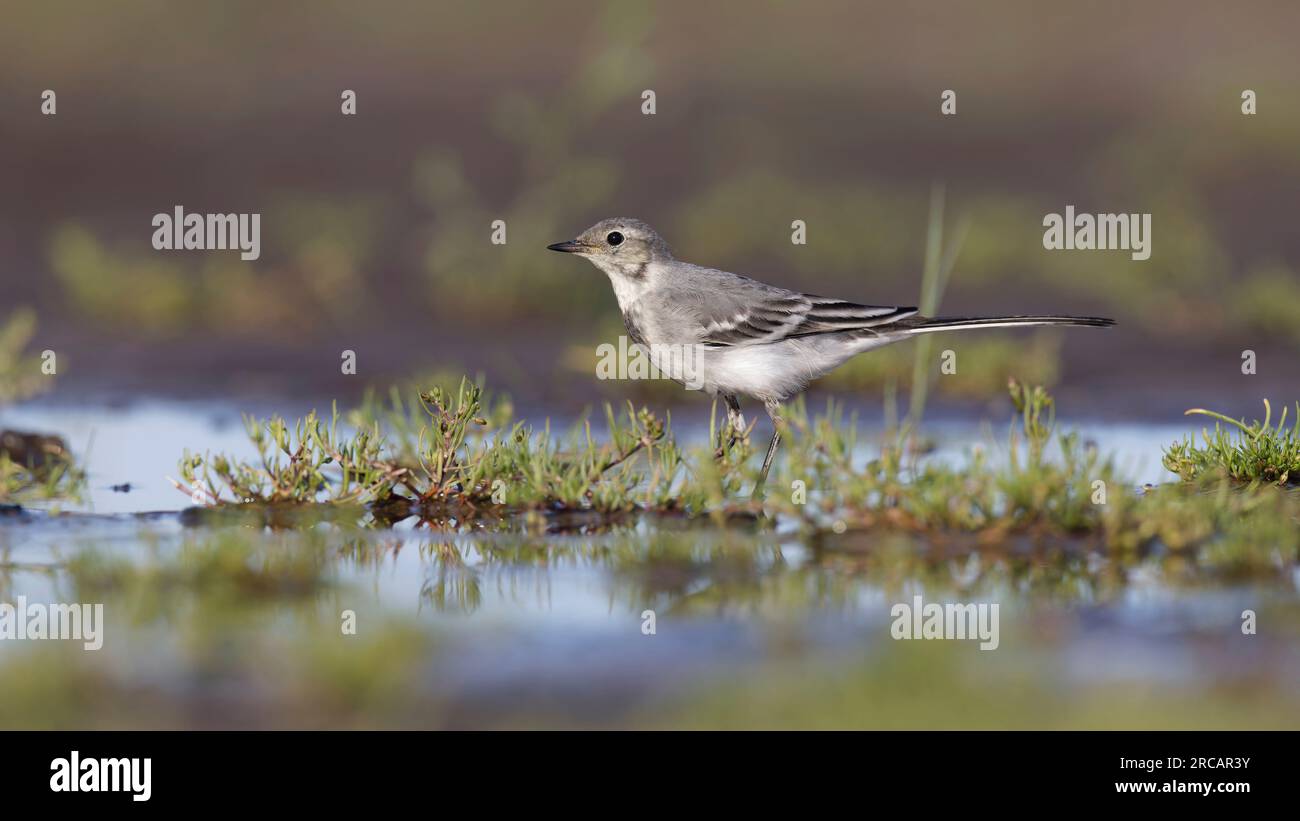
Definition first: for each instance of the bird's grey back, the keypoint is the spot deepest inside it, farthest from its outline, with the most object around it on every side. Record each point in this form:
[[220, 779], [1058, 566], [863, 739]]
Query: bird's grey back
[[691, 304], [691, 298]]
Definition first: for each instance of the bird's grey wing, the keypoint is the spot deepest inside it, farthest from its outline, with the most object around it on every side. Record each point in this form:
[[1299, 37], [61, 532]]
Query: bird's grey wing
[[727, 310]]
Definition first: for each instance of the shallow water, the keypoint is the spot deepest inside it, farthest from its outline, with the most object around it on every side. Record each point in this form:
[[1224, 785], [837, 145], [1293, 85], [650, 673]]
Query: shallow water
[[513, 626]]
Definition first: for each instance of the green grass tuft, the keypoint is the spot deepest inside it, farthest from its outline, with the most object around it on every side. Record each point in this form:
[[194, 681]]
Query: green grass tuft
[[1255, 453], [445, 455]]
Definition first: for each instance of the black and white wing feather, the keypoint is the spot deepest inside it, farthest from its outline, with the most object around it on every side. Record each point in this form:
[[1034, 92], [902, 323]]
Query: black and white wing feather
[[719, 309], [797, 316], [790, 316]]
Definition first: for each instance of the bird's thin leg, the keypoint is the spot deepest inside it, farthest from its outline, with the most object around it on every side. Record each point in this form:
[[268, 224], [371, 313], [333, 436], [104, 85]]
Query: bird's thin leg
[[735, 419], [718, 440], [773, 411]]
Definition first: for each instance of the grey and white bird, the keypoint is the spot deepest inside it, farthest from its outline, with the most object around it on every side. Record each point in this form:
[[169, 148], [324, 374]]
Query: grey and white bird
[[748, 338]]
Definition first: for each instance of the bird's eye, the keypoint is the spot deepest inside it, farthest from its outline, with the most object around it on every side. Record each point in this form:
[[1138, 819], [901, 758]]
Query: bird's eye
[[614, 238]]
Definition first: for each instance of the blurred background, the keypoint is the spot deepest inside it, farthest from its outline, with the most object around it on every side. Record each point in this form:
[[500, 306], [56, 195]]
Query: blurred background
[[376, 227]]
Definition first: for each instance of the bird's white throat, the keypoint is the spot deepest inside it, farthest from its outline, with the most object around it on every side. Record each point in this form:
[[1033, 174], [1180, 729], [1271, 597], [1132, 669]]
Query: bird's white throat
[[630, 282]]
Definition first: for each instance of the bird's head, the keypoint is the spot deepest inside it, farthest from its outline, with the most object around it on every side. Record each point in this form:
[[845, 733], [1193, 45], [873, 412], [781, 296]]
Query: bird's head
[[619, 245]]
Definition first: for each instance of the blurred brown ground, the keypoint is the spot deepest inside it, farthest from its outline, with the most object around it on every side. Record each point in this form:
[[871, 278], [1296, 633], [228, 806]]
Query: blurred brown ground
[[375, 228]]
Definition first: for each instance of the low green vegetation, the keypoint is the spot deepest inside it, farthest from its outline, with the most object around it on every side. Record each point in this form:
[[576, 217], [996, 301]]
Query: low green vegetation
[[456, 457], [1046, 486], [1255, 453], [52, 475], [446, 455], [1044, 480], [32, 466], [310, 463]]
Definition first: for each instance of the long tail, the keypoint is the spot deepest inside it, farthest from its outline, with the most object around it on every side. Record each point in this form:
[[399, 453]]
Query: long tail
[[925, 325]]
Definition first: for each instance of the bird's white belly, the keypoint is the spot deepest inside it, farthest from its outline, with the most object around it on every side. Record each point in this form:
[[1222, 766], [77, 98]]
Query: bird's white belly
[[778, 371]]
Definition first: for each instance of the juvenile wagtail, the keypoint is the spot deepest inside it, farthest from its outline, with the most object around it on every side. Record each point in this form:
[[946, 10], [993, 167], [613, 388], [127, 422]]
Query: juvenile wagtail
[[750, 338]]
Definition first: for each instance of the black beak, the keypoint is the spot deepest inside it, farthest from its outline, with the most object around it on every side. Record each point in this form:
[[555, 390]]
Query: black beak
[[568, 247]]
